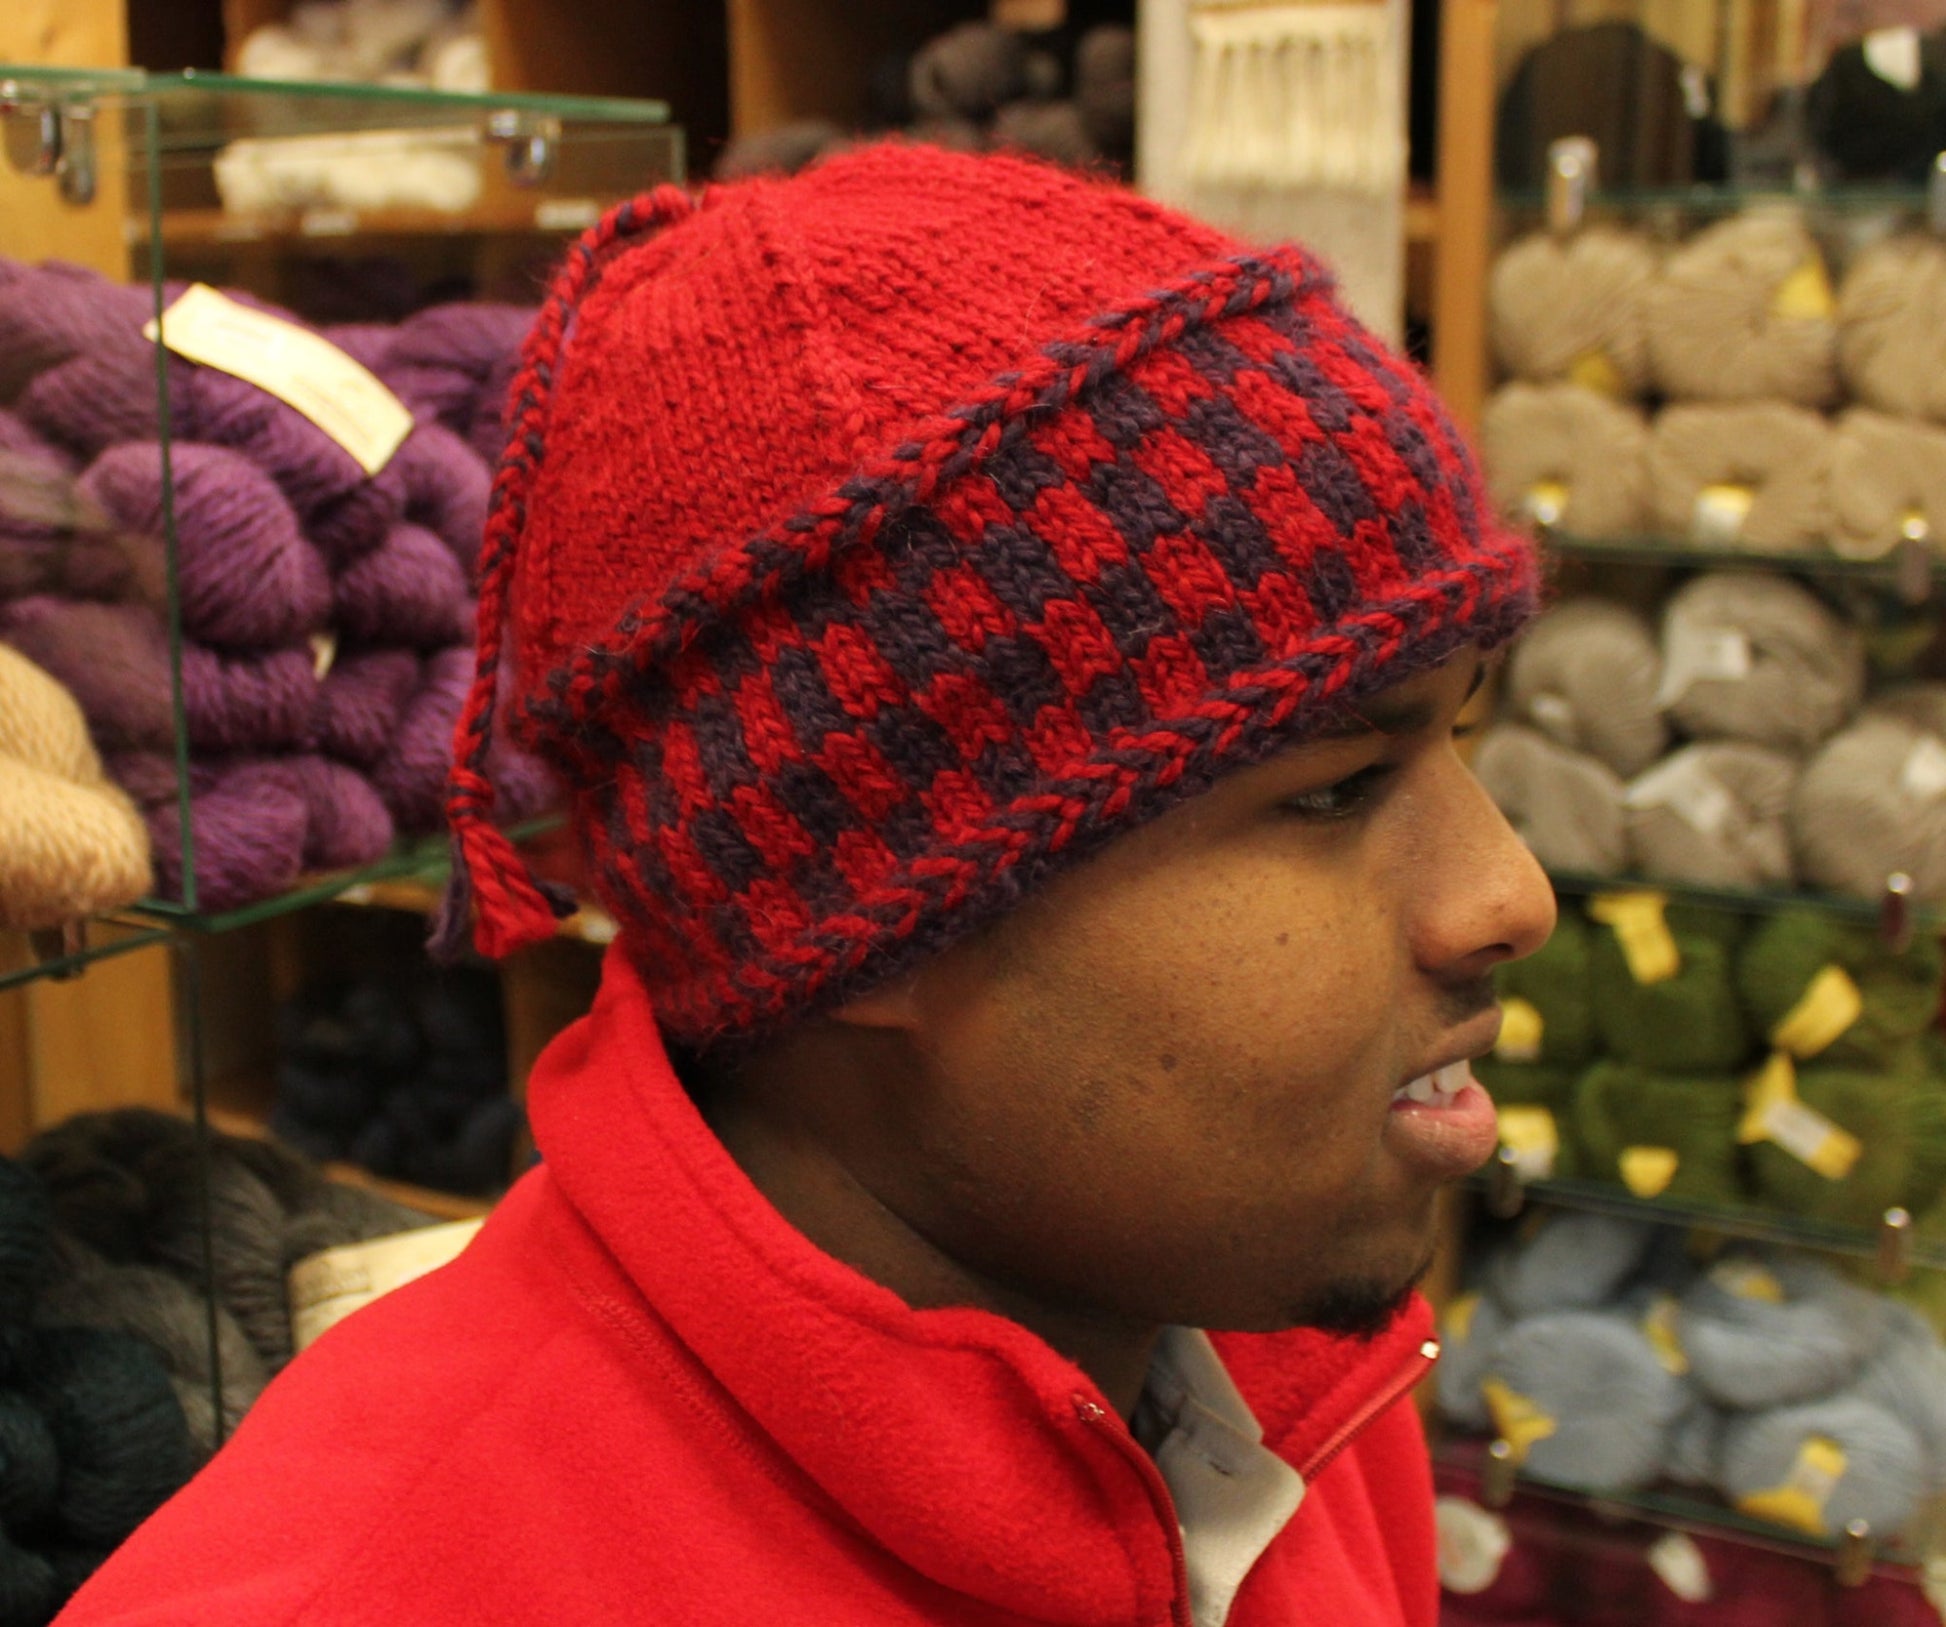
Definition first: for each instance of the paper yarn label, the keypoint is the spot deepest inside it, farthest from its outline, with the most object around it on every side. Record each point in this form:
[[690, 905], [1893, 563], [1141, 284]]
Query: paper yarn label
[[1473, 1543], [1800, 1501], [1547, 502], [1805, 295], [302, 369], [1923, 774], [328, 1286], [1595, 370], [1534, 1139], [1647, 1171], [1555, 714], [1641, 927], [1895, 55], [1773, 1113], [1680, 1566], [1521, 1030], [1693, 655], [1659, 1327], [1746, 1279], [1520, 1422], [1828, 1007], [1688, 790], [1457, 1323], [1719, 515]]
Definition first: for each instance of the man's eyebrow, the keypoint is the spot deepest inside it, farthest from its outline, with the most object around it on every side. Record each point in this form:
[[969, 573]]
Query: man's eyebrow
[[1392, 717]]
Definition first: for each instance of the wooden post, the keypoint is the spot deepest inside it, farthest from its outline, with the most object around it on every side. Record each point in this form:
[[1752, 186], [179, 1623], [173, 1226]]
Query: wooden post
[[1465, 190]]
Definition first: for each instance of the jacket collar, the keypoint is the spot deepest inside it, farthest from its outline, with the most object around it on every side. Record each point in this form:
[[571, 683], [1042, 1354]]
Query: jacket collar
[[955, 1438]]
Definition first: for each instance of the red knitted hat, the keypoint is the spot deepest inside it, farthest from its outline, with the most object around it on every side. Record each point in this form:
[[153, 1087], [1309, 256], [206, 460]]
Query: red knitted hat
[[873, 542]]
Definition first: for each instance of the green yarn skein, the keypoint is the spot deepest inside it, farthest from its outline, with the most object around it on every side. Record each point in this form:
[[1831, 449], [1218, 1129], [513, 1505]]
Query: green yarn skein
[[1898, 1116], [1618, 1106], [1689, 1023], [1554, 981], [1899, 988]]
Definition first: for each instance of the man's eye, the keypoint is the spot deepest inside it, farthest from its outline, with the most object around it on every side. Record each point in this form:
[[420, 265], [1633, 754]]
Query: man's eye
[[1342, 798]]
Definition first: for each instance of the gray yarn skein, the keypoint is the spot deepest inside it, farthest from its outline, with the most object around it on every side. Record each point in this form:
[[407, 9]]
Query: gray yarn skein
[[1908, 1379], [1692, 1452], [1601, 1381], [1780, 454], [1565, 806], [1806, 669], [1715, 814], [1884, 1468], [1574, 1262], [1892, 326], [1885, 472], [1464, 1362], [1586, 674], [1552, 304], [1750, 1352], [171, 1317], [1859, 815]]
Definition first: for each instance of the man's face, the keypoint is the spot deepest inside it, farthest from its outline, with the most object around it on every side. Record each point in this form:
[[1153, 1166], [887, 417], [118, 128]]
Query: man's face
[[1165, 1088]]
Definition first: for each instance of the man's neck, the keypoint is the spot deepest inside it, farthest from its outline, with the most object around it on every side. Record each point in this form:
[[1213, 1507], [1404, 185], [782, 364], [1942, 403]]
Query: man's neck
[[813, 1190]]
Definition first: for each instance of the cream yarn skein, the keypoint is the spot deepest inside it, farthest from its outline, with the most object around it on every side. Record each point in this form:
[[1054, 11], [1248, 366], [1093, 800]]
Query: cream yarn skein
[[1892, 326], [1586, 674], [1575, 309], [1565, 806], [71, 843], [1748, 656], [1748, 475], [1888, 479], [1744, 312], [1715, 814], [1565, 454], [1873, 802]]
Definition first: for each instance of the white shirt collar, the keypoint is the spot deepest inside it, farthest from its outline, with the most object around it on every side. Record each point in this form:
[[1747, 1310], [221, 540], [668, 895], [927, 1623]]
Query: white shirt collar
[[1232, 1493]]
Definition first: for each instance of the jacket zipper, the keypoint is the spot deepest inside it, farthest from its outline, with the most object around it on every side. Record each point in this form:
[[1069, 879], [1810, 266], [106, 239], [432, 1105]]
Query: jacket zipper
[[1415, 1368]]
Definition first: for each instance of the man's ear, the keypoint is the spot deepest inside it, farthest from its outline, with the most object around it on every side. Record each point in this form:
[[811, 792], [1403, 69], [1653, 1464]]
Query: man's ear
[[894, 1003]]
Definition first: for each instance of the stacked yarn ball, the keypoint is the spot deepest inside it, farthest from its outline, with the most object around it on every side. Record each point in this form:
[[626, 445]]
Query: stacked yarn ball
[[1722, 393], [1613, 1361], [326, 614], [1732, 746], [1067, 96], [1662, 1077], [408, 1079]]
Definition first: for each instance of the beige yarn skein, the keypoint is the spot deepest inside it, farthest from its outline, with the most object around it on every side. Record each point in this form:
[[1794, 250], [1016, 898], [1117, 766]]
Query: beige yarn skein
[[71, 843], [1753, 475], [1744, 312], [1749, 656], [1873, 802], [1567, 455], [1574, 309], [1586, 674], [1566, 807], [1892, 326], [1888, 477], [1715, 815]]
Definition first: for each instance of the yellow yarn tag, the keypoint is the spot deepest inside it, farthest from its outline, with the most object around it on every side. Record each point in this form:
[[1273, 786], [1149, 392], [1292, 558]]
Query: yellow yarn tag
[[302, 369], [1531, 1135], [1547, 502], [1642, 929], [1773, 1113], [1716, 520], [1518, 1421], [1747, 1280], [1592, 370], [328, 1286], [1659, 1328], [1800, 1501], [1647, 1171], [1459, 1318], [1521, 1029], [1829, 1005], [1805, 295]]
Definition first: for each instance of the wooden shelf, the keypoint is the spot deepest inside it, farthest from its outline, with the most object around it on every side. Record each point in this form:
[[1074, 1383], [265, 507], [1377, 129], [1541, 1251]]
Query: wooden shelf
[[434, 1205], [219, 228]]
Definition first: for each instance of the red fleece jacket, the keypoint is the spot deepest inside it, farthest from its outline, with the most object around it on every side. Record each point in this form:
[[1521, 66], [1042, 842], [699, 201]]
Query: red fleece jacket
[[641, 1396]]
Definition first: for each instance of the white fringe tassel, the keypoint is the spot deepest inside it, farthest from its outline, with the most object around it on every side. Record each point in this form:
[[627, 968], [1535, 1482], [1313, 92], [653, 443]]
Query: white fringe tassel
[[1295, 95]]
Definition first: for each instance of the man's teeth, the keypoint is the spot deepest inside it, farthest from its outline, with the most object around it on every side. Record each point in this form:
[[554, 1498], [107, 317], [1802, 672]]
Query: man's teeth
[[1436, 1089]]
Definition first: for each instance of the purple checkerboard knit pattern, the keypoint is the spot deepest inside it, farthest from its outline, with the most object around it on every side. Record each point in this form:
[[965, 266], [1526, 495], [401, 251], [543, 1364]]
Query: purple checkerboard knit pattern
[[1185, 527]]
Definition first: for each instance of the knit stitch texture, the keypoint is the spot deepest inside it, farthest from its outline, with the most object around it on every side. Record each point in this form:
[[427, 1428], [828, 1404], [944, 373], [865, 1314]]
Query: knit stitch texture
[[873, 542]]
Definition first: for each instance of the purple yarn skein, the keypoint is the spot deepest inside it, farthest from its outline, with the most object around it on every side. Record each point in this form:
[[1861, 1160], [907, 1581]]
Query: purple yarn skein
[[347, 822], [447, 490], [362, 703], [249, 840], [411, 590], [243, 703], [113, 658], [248, 578]]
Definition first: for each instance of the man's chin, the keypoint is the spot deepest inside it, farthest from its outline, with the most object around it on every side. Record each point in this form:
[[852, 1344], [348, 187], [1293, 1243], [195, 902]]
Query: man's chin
[[1359, 1308]]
